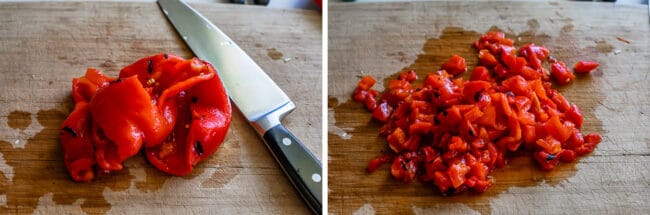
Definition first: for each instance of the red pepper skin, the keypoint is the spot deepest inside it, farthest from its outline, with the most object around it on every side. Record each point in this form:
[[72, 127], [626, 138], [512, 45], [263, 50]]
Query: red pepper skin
[[176, 109], [584, 67], [77, 149], [561, 73], [366, 82], [123, 116], [76, 132], [382, 112], [377, 162], [455, 65], [208, 119]]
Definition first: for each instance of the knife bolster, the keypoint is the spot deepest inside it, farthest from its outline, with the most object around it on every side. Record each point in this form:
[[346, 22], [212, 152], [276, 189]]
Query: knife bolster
[[272, 118]]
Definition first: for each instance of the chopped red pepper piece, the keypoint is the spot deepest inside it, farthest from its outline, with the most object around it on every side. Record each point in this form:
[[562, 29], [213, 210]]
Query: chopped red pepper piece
[[455, 65], [366, 82], [561, 73], [583, 67]]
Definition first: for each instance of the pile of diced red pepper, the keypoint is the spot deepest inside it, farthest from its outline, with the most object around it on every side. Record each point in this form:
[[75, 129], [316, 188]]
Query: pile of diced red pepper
[[453, 133]]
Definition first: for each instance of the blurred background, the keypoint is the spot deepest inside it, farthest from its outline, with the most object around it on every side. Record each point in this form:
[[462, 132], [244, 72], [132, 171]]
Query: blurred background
[[304, 4], [616, 1]]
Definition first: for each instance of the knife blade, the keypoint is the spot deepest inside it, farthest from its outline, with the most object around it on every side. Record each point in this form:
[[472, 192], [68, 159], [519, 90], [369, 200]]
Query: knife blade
[[258, 98]]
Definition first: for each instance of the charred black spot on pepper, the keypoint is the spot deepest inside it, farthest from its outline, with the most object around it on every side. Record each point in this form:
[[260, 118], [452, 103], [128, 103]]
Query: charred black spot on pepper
[[198, 147], [471, 133], [444, 112], [150, 66], [450, 191], [403, 165], [436, 94], [195, 99], [116, 81], [436, 121], [477, 96], [550, 157], [70, 130], [166, 55]]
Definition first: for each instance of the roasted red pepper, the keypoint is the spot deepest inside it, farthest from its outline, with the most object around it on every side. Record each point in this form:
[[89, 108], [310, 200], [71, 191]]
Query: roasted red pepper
[[584, 67], [455, 65], [453, 133], [176, 109], [561, 73]]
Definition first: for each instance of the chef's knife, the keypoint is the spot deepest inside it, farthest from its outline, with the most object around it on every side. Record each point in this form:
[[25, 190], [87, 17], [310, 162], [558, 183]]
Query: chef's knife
[[261, 101]]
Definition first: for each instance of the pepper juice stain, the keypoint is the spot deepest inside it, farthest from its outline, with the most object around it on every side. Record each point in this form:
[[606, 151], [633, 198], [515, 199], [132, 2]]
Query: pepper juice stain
[[274, 54], [436, 51], [19, 120], [41, 158]]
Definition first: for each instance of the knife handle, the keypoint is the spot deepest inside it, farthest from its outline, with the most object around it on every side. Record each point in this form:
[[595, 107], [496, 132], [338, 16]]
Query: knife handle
[[302, 168]]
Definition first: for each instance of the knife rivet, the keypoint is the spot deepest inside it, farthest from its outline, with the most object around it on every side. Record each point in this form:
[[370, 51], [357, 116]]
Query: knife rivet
[[315, 177], [286, 141]]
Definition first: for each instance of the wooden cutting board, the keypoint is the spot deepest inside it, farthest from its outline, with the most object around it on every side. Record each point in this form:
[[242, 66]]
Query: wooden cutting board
[[385, 38], [44, 45]]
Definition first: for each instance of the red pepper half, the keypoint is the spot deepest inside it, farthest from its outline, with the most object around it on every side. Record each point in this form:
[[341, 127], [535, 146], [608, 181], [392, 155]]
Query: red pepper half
[[176, 109]]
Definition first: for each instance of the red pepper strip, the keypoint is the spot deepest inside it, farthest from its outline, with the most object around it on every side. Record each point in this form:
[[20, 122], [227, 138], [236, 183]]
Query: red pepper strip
[[583, 67], [85, 87], [377, 162], [208, 118], [123, 116], [75, 134], [561, 73], [77, 149]]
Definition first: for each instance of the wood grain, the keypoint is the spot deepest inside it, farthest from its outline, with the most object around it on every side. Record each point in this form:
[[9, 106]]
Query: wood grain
[[383, 39], [44, 45]]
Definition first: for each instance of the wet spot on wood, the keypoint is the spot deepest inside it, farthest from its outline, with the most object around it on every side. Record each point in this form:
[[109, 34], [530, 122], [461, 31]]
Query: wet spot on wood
[[598, 73], [19, 120], [227, 164], [45, 159], [454, 40], [108, 64], [274, 54], [603, 47], [567, 28], [554, 3], [258, 45], [154, 179], [50, 82], [401, 56], [533, 24], [332, 102]]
